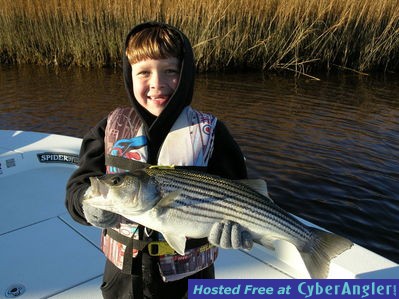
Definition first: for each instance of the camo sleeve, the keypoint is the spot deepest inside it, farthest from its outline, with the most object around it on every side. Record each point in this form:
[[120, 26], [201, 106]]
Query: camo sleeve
[[227, 159], [92, 163]]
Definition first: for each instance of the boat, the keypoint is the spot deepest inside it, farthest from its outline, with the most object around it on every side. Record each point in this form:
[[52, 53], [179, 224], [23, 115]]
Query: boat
[[45, 254]]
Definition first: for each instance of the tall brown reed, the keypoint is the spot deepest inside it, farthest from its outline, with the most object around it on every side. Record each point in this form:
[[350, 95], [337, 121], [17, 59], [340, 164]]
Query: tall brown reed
[[298, 35]]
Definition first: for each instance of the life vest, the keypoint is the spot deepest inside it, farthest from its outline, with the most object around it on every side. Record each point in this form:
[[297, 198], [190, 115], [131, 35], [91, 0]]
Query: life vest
[[189, 143]]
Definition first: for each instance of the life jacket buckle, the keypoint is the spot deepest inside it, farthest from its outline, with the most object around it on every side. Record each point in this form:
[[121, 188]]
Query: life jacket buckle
[[158, 248]]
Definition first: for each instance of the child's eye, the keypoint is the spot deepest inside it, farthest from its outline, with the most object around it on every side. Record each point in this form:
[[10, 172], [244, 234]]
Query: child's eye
[[172, 71], [143, 74]]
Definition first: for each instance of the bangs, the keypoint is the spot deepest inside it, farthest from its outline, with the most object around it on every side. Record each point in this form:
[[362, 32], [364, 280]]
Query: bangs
[[154, 43]]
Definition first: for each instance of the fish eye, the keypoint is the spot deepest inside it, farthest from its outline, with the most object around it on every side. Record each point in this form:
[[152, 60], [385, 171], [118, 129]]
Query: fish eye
[[116, 180]]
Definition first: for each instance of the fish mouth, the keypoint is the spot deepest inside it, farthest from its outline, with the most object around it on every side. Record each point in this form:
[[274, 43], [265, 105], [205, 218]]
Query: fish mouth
[[98, 188]]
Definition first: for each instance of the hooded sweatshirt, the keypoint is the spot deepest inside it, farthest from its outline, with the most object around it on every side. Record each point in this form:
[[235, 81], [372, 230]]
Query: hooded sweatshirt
[[227, 159], [158, 127]]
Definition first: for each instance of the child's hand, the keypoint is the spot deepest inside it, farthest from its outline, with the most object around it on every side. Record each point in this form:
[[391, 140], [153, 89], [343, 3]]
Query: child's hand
[[228, 234], [100, 218]]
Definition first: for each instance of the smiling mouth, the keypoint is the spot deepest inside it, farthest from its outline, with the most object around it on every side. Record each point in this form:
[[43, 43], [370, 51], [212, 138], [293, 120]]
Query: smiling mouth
[[159, 100]]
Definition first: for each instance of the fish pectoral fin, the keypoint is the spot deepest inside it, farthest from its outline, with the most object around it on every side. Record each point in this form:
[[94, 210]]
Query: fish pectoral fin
[[168, 199], [178, 243], [258, 185]]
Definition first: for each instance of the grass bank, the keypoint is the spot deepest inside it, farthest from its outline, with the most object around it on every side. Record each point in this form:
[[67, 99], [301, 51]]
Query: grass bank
[[298, 35]]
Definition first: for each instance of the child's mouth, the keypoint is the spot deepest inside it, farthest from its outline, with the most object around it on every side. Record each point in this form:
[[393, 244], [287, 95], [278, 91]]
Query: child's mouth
[[159, 100]]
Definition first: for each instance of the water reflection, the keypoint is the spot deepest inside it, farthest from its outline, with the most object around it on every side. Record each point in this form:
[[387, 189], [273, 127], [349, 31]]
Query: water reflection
[[328, 149]]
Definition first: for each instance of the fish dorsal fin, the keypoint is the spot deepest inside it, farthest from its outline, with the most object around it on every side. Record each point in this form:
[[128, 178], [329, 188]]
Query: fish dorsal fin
[[258, 185], [168, 199]]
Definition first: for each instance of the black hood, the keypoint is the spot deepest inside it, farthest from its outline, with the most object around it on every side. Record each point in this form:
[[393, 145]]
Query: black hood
[[158, 127]]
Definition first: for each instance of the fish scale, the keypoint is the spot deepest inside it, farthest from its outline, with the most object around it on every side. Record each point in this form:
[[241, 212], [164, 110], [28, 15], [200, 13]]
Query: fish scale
[[182, 203], [199, 186]]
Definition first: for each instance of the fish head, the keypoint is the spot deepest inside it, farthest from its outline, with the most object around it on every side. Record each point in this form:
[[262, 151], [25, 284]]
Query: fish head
[[124, 194]]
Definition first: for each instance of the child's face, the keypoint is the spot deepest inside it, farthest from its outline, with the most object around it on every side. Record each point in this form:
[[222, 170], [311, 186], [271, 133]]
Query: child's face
[[154, 82]]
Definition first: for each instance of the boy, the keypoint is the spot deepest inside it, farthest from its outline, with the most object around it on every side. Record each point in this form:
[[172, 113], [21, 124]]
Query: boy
[[159, 129]]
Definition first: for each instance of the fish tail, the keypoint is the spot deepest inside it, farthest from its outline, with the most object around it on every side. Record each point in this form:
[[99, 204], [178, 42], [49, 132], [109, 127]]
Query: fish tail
[[320, 250]]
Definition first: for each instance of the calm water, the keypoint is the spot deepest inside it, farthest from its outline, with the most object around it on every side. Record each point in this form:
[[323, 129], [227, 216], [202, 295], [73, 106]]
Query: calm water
[[328, 149]]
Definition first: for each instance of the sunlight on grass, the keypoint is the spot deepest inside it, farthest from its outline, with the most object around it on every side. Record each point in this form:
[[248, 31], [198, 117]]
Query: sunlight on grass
[[297, 35]]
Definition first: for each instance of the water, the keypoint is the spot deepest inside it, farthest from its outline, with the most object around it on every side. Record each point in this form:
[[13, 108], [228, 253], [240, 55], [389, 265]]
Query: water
[[328, 149]]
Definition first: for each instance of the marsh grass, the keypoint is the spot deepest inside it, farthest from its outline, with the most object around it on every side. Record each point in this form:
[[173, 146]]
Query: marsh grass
[[296, 35]]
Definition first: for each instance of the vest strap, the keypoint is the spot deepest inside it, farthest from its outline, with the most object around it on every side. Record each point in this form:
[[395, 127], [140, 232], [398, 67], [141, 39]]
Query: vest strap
[[137, 244], [129, 263], [154, 248], [124, 163], [132, 165]]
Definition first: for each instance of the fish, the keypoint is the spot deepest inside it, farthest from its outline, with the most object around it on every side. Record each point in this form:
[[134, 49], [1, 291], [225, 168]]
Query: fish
[[181, 204]]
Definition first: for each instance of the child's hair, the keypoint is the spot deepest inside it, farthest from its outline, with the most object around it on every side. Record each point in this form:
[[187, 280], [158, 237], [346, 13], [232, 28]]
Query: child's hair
[[155, 42]]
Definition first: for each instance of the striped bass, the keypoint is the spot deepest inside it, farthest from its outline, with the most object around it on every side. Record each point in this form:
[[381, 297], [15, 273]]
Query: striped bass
[[180, 203]]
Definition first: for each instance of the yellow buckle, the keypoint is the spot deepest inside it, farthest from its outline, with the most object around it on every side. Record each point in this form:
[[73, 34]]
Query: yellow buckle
[[160, 248], [167, 167]]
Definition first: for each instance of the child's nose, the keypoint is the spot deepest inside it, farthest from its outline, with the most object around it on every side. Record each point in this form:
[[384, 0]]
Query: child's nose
[[157, 81]]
